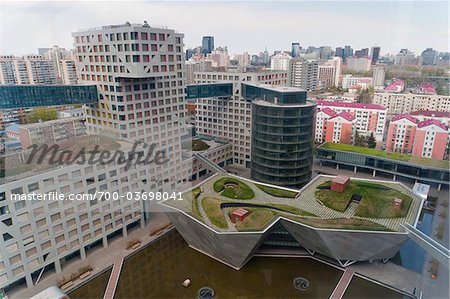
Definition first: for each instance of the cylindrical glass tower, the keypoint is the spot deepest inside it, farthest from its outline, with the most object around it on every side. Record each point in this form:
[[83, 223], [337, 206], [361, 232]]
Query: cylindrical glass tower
[[282, 138]]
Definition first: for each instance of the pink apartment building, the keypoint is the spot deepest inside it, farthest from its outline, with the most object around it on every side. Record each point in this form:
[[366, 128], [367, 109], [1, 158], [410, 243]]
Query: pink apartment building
[[339, 128], [427, 138], [368, 118]]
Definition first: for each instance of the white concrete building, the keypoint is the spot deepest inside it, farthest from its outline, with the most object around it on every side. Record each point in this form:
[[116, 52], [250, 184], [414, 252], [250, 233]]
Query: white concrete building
[[404, 103], [68, 72], [348, 81], [359, 64], [139, 71], [37, 234], [75, 112], [280, 62], [326, 77], [304, 74], [29, 69], [7, 72], [379, 74]]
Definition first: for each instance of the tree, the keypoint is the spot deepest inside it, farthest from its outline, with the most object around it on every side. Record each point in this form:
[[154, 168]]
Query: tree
[[371, 141], [359, 140], [43, 114]]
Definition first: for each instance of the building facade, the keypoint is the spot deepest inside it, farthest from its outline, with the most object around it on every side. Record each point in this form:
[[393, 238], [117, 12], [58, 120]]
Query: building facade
[[378, 77], [404, 103], [280, 62], [359, 64], [29, 69], [51, 132], [282, 134], [304, 74], [427, 138], [230, 118], [368, 118]]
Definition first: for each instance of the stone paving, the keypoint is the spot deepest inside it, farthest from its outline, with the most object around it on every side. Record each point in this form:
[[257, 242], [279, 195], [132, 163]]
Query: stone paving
[[306, 201]]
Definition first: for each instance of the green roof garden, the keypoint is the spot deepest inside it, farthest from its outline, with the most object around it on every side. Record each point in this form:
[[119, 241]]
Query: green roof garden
[[213, 202], [443, 164]]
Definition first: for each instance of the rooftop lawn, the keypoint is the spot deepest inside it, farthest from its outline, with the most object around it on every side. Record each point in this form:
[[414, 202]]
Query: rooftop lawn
[[211, 206], [195, 145], [277, 192], [377, 200], [257, 219], [383, 154], [233, 188]]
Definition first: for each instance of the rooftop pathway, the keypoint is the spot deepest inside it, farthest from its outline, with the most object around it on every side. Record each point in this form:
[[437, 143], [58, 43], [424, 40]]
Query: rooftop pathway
[[307, 201]]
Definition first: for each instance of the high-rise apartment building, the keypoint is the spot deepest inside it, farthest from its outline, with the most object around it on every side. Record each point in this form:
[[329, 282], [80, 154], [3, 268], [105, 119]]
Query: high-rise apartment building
[[429, 56], [207, 44], [57, 55], [326, 76], [375, 54], [68, 72], [280, 62], [304, 73], [295, 50], [404, 103], [231, 118], [359, 64], [366, 118], [378, 76], [428, 138], [139, 71], [29, 69], [281, 134]]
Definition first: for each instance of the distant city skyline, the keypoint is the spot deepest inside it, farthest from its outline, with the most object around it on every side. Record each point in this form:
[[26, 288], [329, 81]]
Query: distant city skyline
[[242, 26]]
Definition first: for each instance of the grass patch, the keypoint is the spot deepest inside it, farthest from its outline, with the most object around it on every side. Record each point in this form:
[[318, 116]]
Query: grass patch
[[258, 219], [377, 200], [195, 145], [277, 192], [444, 164], [195, 211], [233, 188], [211, 206]]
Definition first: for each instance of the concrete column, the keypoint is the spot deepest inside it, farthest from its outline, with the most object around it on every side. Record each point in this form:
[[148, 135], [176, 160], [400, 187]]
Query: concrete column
[[355, 169], [374, 173], [124, 231], [142, 221], [337, 166], [29, 281], [58, 266], [320, 162], [105, 242], [394, 177], [83, 253], [439, 186]]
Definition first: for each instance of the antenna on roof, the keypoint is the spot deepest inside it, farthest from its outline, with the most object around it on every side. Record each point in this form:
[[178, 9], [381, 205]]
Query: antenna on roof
[[128, 23], [146, 24]]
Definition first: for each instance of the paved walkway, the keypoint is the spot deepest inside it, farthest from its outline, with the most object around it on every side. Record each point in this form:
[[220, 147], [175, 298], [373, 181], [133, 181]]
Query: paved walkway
[[343, 283], [113, 280], [99, 259]]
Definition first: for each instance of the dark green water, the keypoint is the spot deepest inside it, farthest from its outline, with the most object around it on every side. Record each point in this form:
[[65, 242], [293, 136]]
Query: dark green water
[[362, 289], [158, 271]]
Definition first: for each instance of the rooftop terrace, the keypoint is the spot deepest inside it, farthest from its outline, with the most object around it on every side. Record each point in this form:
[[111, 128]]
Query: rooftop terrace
[[20, 165], [213, 201], [442, 164]]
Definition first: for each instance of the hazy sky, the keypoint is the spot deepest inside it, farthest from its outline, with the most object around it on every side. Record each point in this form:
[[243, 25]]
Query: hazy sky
[[242, 26]]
